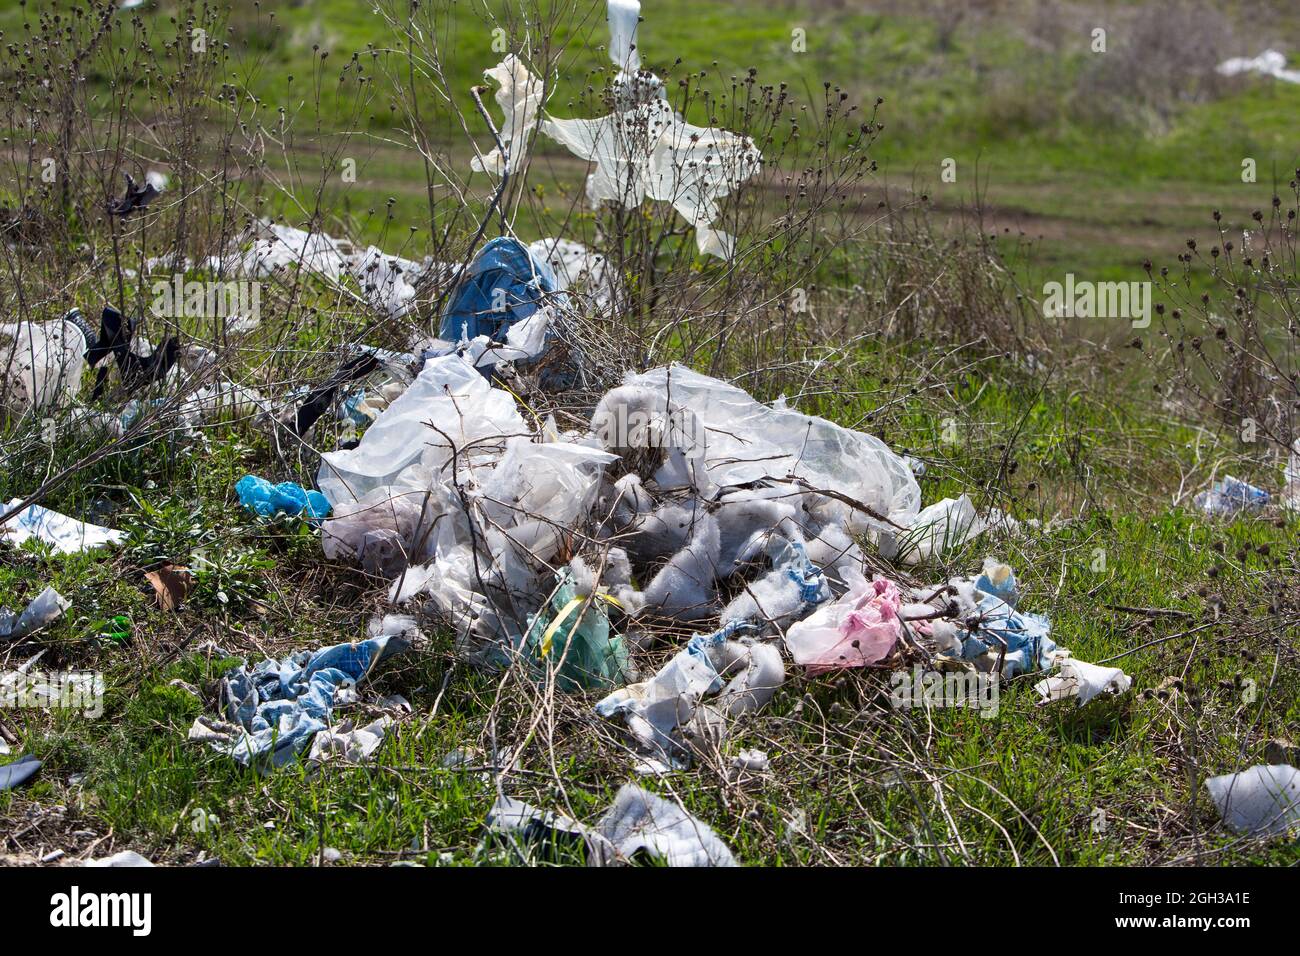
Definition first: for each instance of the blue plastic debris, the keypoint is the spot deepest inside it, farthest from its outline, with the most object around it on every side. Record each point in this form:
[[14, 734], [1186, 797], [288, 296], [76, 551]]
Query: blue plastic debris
[[281, 705], [504, 285], [1230, 496], [19, 772], [1028, 645], [999, 580], [267, 500]]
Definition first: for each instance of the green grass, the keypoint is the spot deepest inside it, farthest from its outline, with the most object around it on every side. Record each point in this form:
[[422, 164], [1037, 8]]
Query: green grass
[[1103, 192]]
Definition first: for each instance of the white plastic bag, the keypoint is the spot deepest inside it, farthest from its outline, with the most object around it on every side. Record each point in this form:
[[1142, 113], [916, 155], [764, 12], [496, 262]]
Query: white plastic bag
[[1262, 800], [745, 440], [40, 364], [452, 396], [64, 534]]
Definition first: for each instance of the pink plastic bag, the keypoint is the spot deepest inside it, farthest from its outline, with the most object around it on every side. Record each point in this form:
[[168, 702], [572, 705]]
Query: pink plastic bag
[[859, 629]]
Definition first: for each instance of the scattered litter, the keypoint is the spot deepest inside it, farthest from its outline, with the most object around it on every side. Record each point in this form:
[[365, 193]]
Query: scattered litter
[[185, 686], [80, 690], [520, 98], [666, 714], [117, 629], [999, 580], [1269, 63], [735, 440], [505, 309], [940, 528], [348, 742], [122, 858], [137, 197], [65, 535], [275, 710], [1264, 800], [171, 585], [571, 635], [387, 282], [18, 772], [643, 149], [400, 438], [285, 499], [43, 610], [974, 622], [754, 761], [278, 246], [585, 275], [44, 363], [1083, 681], [1232, 496], [637, 822], [1291, 479]]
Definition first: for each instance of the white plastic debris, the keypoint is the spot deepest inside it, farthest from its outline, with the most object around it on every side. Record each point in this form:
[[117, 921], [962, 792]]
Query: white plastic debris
[[278, 246], [623, 16], [449, 395], [584, 275], [641, 821], [550, 481], [349, 743], [1262, 800], [1269, 63], [666, 713], [42, 365], [46, 608], [637, 822], [1290, 496], [519, 95], [649, 151], [123, 858], [386, 281], [64, 534], [741, 440], [1083, 681], [938, 529], [642, 150], [754, 761]]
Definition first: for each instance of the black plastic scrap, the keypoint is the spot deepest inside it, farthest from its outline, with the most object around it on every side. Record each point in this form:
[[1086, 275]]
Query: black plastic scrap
[[19, 772], [321, 398], [137, 197], [137, 371]]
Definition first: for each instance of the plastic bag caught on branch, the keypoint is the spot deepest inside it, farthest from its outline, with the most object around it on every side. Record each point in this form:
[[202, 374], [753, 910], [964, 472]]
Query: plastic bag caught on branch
[[642, 150], [520, 98]]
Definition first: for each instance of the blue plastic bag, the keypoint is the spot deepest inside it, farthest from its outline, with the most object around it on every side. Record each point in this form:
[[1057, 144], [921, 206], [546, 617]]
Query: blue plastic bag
[[267, 500], [504, 285]]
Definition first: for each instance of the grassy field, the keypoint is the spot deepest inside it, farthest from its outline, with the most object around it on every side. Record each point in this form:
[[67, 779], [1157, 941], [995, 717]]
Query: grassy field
[[852, 781], [1011, 95], [1095, 192], [1204, 615]]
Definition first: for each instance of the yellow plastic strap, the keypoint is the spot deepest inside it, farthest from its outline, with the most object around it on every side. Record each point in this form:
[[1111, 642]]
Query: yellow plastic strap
[[564, 614]]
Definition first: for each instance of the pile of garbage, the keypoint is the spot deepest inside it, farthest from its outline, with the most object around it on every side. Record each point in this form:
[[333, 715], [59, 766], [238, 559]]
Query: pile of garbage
[[684, 505]]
